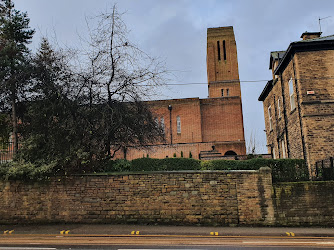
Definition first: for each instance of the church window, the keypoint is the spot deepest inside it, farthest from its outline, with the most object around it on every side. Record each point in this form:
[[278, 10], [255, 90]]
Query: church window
[[270, 119], [227, 92], [218, 48], [178, 124], [222, 92], [224, 50], [162, 121], [292, 95]]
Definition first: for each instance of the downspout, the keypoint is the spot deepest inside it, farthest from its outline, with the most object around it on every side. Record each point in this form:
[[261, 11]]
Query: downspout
[[277, 132]]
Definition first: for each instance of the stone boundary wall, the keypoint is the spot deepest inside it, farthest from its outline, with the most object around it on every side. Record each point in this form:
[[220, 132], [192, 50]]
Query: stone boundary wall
[[180, 197], [304, 203]]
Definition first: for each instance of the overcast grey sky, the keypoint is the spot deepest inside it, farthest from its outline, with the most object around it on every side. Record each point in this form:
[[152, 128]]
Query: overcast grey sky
[[175, 30]]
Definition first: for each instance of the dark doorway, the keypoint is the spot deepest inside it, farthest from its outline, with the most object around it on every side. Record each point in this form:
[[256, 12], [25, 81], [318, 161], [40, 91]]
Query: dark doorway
[[230, 152]]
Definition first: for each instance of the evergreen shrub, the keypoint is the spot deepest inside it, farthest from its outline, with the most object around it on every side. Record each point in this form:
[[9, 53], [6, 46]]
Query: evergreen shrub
[[166, 164], [283, 170]]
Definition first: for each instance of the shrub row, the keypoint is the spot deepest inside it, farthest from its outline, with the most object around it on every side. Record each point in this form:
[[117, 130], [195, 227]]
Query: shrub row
[[283, 170], [17, 170]]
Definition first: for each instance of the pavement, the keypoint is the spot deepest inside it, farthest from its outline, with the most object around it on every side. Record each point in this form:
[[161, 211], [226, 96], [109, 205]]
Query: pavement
[[158, 230]]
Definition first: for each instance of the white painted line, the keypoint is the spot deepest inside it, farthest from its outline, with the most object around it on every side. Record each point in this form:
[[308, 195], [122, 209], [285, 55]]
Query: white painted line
[[326, 243], [287, 242]]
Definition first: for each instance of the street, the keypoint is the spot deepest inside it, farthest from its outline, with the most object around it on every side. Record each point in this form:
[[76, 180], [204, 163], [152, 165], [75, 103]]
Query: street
[[40, 241]]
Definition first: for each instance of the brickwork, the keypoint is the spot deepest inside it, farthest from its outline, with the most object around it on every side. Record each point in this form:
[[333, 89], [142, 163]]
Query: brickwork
[[168, 150], [308, 129], [223, 68], [304, 204], [215, 198], [188, 110], [315, 71], [218, 115]]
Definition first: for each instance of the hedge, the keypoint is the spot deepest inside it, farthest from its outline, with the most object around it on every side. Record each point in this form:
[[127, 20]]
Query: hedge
[[283, 170]]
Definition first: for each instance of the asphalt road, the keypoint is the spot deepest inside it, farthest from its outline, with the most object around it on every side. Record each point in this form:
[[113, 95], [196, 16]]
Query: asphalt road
[[105, 236], [30, 242]]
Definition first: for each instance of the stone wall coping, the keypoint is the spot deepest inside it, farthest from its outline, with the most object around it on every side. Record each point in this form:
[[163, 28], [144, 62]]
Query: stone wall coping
[[170, 172]]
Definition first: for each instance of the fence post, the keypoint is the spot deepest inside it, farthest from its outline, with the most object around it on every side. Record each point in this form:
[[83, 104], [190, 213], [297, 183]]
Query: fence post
[[331, 168]]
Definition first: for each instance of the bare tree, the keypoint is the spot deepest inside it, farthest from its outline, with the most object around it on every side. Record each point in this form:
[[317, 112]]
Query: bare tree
[[116, 77], [252, 144]]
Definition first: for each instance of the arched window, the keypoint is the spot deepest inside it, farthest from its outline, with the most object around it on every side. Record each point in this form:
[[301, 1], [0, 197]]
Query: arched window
[[162, 123], [178, 124]]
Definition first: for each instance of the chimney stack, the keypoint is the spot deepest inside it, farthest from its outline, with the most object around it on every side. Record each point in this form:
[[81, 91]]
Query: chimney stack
[[310, 35]]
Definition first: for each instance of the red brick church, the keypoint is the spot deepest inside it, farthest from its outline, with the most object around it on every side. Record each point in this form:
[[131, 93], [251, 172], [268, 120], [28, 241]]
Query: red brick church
[[203, 128]]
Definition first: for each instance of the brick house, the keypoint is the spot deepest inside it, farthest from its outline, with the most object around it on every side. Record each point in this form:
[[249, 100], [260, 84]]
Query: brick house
[[299, 102], [210, 127]]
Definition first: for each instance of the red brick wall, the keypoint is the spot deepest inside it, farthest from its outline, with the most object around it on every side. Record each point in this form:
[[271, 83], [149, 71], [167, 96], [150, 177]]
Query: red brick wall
[[204, 123], [189, 112], [222, 119]]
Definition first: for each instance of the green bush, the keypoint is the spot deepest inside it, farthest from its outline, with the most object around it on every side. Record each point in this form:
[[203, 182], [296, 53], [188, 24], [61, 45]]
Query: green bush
[[166, 164], [26, 171], [283, 170]]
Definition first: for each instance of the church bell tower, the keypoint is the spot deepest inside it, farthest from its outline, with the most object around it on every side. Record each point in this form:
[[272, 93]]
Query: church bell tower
[[222, 63]]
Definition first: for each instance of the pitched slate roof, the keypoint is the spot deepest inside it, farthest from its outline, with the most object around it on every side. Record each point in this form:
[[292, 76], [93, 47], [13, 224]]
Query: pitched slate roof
[[315, 44]]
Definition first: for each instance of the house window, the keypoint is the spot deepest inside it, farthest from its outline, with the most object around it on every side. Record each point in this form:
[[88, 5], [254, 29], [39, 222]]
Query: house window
[[227, 92], [222, 90], [218, 48], [292, 95], [162, 122], [156, 122], [279, 107], [178, 124], [270, 119], [283, 149]]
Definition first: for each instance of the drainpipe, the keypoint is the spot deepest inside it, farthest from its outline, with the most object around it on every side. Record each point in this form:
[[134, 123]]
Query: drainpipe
[[277, 129], [170, 123]]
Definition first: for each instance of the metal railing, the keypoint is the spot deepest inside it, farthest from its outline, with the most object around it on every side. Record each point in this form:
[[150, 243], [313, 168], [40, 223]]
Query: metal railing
[[324, 169], [6, 152]]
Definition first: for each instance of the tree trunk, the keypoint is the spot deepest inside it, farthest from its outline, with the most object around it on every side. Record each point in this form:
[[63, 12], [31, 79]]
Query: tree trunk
[[14, 123]]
